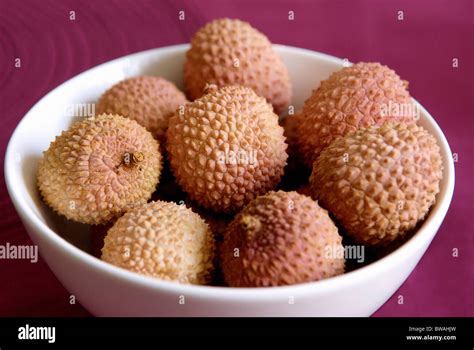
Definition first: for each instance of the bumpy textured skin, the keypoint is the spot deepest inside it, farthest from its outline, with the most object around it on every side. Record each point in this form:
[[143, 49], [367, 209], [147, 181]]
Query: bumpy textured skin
[[149, 100], [379, 182], [163, 240], [354, 97], [281, 239], [212, 59], [83, 175], [231, 121]]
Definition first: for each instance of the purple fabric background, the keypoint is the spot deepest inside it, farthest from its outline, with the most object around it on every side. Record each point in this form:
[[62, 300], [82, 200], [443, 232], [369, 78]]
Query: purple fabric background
[[420, 48]]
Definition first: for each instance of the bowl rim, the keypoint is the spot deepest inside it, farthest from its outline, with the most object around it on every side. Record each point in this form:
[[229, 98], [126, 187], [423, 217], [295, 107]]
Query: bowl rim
[[424, 233]]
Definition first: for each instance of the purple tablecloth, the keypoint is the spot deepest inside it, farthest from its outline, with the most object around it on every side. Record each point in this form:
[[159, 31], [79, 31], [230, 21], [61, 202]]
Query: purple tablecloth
[[421, 48]]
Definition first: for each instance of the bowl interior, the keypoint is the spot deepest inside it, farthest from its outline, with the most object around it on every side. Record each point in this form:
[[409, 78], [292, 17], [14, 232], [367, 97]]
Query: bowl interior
[[76, 97]]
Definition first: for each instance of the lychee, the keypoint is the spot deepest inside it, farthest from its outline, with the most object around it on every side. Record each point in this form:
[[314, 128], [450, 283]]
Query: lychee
[[354, 97], [163, 240], [281, 238], [99, 168], [226, 148], [149, 100], [379, 182], [231, 52]]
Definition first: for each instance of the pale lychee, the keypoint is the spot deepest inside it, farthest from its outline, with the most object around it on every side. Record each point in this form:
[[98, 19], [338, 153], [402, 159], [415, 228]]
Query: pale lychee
[[163, 240], [100, 167]]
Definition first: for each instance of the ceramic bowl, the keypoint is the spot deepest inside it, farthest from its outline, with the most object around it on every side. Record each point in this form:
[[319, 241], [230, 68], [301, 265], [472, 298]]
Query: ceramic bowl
[[106, 290]]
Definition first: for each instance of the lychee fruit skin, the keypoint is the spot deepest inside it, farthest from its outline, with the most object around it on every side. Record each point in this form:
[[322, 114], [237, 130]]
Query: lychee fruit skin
[[99, 168], [231, 52], [149, 100], [226, 148], [162, 240], [354, 97], [379, 182], [281, 238]]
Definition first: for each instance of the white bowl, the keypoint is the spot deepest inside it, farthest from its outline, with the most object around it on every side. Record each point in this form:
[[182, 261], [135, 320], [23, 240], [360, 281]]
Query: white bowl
[[107, 290]]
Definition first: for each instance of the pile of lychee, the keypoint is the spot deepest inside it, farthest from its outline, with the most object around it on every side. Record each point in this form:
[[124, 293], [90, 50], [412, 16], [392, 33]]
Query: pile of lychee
[[190, 188]]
